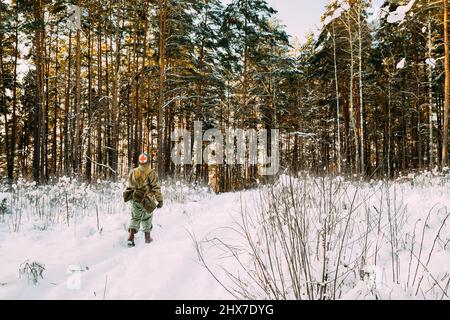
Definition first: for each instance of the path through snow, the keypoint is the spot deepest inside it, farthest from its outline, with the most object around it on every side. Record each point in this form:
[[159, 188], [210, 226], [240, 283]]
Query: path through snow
[[165, 269]]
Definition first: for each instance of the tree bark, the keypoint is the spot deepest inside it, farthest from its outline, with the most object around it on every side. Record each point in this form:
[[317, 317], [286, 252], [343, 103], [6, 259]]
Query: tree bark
[[14, 113], [77, 105], [3, 94], [38, 35], [89, 132], [361, 99], [115, 96], [55, 108], [98, 106], [351, 93], [447, 89], [67, 144], [430, 99], [162, 71], [338, 112]]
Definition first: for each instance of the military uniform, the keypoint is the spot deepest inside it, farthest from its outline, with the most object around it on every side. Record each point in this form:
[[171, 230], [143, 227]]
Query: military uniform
[[144, 192]]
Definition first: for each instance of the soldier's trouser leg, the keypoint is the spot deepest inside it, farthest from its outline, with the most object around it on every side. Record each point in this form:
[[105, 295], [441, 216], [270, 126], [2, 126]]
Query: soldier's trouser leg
[[140, 216]]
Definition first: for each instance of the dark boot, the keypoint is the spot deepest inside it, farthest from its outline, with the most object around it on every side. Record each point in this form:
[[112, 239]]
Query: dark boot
[[131, 233], [148, 239]]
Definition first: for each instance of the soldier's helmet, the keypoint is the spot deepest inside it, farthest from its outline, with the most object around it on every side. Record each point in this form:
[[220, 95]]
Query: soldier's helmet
[[144, 159]]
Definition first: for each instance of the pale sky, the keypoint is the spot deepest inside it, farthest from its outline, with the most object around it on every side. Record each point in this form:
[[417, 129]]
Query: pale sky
[[300, 16]]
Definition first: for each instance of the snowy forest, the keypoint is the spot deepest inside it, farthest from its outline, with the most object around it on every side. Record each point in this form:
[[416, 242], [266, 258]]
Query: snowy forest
[[84, 91], [359, 208]]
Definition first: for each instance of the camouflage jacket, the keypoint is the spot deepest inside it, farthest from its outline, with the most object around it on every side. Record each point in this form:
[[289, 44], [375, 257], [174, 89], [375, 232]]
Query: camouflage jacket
[[143, 187]]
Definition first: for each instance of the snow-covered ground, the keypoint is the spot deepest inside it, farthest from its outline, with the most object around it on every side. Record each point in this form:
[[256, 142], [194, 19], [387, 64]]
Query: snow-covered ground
[[78, 233], [164, 269]]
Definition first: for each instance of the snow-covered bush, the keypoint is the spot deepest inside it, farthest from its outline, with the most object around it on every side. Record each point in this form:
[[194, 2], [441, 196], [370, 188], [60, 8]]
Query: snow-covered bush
[[4, 209], [66, 201], [62, 202], [427, 178], [33, 270], [181, 192], [327, 238]]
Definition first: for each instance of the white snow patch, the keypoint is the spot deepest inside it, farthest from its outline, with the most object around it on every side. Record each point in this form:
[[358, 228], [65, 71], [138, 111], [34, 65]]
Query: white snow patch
[[337, 13], [383, 12], [343, 6], [399, 14], [23, 67], [9, 93], [74, 17], [431, 62], [401, 64]]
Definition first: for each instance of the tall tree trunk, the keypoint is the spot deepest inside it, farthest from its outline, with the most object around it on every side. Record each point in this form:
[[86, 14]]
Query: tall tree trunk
[[447, 89], [144, 87], [67, 142], [143, 80], [361, 99], [162, 71], [430, 97], [89, 129], [55, 108], [77, 105], [338, 112], [199, 107], [3, 93], [351, 93], [107, 138], [38, 37], [131, 108], [417, 118], [46, 118], [389, 146], [135, 83], [115, 95], [14, 113], [98, 106]]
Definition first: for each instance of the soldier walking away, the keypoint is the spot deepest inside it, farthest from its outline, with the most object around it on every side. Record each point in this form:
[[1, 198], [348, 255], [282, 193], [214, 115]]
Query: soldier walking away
[[144, 192]]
